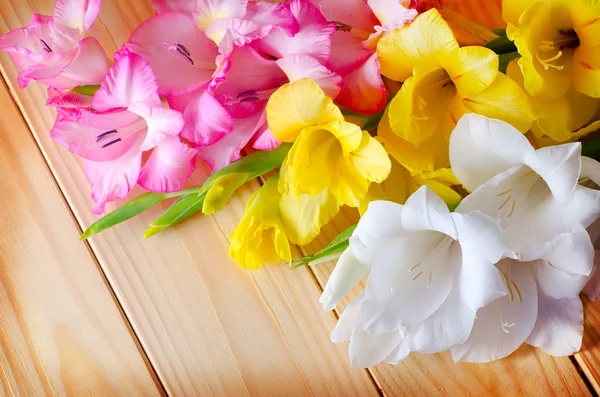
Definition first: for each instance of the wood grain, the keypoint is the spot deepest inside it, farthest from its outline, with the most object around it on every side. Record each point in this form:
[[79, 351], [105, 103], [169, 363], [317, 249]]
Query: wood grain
[[61, 332], [208, 326]]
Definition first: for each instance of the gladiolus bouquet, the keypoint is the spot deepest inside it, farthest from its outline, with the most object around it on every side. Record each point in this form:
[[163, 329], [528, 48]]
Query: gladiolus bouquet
[[467, 152]]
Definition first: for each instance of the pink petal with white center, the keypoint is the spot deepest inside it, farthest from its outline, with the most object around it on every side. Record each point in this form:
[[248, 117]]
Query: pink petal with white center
[[162, 123], [168, 167], [129, 80], [391, 13], [246, 88], [68, 99], [228, 149], [182, 57], [89, 66], [313, 37], [185, 6], [76, 14], [347, 52], [208, 11], [299, 66], [239, 32], [363, 90], [93, 136], [265, 14], [355, 13], [39, 19], [113, 180], [206, 121]]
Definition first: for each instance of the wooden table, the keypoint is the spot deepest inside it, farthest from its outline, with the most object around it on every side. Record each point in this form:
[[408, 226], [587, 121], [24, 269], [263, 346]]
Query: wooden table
[[125, 316]]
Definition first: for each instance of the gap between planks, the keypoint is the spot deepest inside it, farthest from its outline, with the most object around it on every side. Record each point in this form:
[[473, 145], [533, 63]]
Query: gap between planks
[[113, 293]]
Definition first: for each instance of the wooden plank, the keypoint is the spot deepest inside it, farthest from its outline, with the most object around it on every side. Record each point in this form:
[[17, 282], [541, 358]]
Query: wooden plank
[[589, 356], [528, 372], [61, 331], [207, 325]]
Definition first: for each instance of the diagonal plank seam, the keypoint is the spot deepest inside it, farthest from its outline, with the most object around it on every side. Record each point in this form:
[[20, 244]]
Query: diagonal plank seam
[[122, 311]]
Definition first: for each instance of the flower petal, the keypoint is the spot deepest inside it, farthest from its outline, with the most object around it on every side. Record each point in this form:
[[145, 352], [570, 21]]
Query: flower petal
[[156, 40], [363, 90], [76, 14], [168, 167], [300, 66], [481, 148], [113, 180], [392, 13], [368, 350], [424, 210], [559, 326], [162, 123], [556, 283], [128, 81], [347, 321], [586, 71], [371, 160], [424, 42], [503, 325], [207, 11], [472, 69], [297, 105], [346, 275]]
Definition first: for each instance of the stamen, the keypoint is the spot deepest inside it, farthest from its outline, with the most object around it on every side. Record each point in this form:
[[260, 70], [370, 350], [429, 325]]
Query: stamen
[[429, 279], [415, 266], [251, 99], [182, 47], [246, 93], [46, 46], [185, 55], [507, 284], [505, 192], [546, 62], [417, 276], [505, 326], [512, 208], [111, 143], [506, 200], [104, 134], [340, 26], [517, 289]]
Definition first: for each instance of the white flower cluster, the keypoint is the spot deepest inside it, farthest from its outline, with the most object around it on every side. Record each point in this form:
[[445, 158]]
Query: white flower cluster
[[505, 268]]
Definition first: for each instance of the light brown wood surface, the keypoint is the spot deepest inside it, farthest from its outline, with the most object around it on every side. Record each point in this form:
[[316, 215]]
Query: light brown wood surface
[[209, 327], [61, 330]]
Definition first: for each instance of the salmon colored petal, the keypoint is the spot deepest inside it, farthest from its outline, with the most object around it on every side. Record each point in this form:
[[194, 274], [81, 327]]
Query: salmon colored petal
[[168, 167], [363, 90], [426, 41]]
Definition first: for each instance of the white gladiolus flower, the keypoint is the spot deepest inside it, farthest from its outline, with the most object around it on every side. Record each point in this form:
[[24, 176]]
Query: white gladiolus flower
[[431, 270]]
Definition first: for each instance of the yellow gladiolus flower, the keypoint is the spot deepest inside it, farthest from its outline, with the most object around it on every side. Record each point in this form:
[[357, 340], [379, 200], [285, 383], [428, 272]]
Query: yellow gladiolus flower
[[559, 43], [328, 152], [273, 220], [566, 119], [441, 83]]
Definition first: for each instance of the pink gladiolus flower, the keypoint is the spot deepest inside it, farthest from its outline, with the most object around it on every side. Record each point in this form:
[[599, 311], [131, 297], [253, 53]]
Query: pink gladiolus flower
[[52, 50], [128, 120], [361, 24]]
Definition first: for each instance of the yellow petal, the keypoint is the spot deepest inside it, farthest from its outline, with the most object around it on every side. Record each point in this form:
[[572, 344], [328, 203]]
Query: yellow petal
[[371, 160], [418, 110], [297, 105], [445, 192], [311, 163], [424, 42], [349, 187], [441, 182], [349, 135], [220, 192], [397, 187], [513, 9], [426, 157], [304, 216], [472, 69], [503, 100], [586, 71], [586, 22]]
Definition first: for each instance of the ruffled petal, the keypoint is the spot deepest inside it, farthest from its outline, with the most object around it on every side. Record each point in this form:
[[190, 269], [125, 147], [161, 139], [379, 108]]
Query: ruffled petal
[[424, 210], [391, 13], [168, 167], [208, 11], [113, 180], [298, 67], [472, 69], [76, 14], [162, 123]]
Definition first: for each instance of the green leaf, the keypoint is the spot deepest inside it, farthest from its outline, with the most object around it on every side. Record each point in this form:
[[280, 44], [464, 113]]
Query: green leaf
[[125, 212], [88, 90], [504, 60], [501, 45], [332, 251], [180, 210]]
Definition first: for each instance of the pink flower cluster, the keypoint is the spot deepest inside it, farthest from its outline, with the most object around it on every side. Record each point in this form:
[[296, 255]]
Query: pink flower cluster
[[193, 80]]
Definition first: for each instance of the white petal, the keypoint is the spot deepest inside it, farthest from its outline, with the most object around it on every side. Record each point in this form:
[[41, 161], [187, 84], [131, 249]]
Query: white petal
[[399, 353], [347, 273], [556, 283], [560, 167], [347, 321], [559, 327], [480, 282], [368, 350], [481, 148], [503, 325], [582, 208], [409, 282], [425, 210], [449, 326], [480, 234], [571, 252], [592, 286]]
